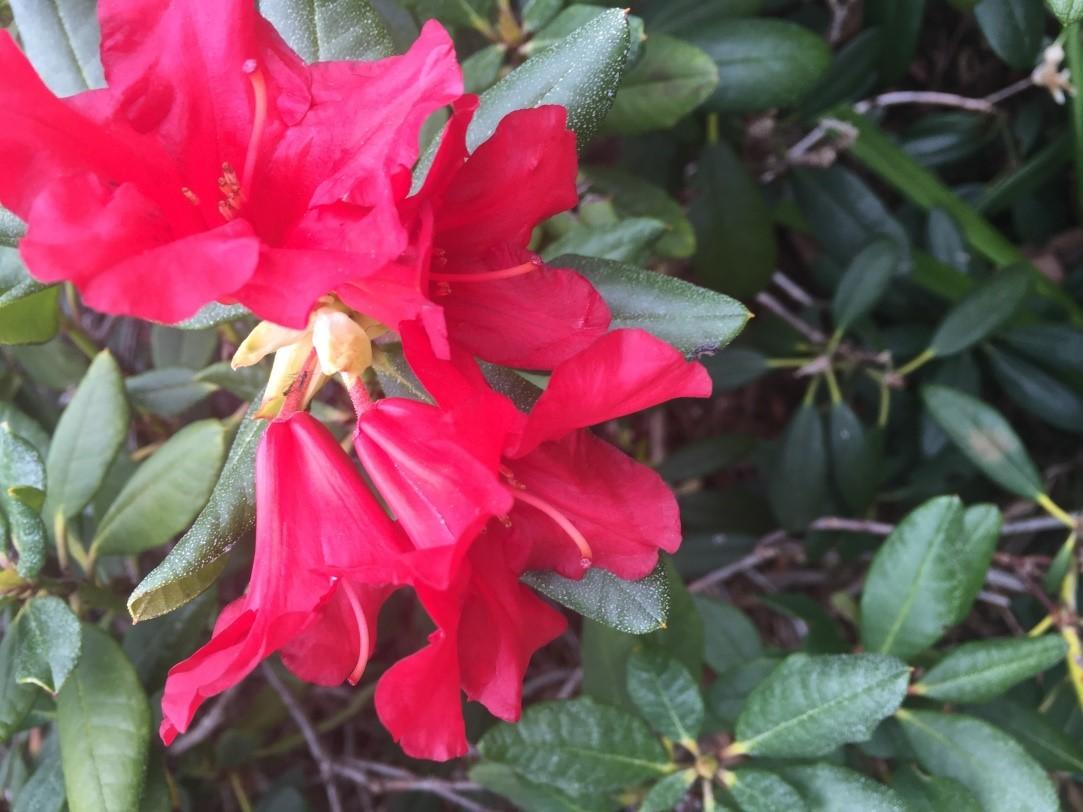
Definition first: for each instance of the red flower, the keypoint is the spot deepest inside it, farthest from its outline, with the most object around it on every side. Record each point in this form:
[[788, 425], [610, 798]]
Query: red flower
[[326, 557], [217, 164], [473, 220]]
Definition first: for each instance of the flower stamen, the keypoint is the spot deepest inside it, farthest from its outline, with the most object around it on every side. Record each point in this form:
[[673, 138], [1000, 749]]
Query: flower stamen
[[487, 276], [259, 121], [562, 521], [365, 648]]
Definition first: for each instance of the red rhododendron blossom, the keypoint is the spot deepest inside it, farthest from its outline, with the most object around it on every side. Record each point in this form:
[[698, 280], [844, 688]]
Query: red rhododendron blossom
[[216, 165], [315, 518], [473, 220], [488, 627]]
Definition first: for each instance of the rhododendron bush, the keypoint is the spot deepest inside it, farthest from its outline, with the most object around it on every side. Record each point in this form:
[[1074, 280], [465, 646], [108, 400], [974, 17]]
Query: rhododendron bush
[[344, 346]]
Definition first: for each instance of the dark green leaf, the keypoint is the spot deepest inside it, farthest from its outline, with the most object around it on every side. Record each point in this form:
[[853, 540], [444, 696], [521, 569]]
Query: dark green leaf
[[1035, 390], [166, 492], [167, 392], [104, 723], [327, 30], [44, 792], [61, 38], [989, 763], [901, 27], [155, 645], [985, 669], [734, 235], [1037, 732], [760, 791], [811, 705], [48, 643], [482, 69], [16, 698], [985, 437], [851, 76], [667, 794], [735, 367], [913, 588], [88, 436], [929, 793], [974, 551], [690, 318], [190, 349], [827, 788], [669, 81], [822, 635], [604, 653], [539, 13], [666, 695], [527, 794], [730, 638], [1058, 345], [578, 746], [798, 483], [984, 309], [865, 282], [704, 457], [855, 457], [727, 694], [634, 607], [762, 63], [212, 315], [21, 467], [200, 556], [632, 196], [1014, 28], [623, 241], [684, 17]]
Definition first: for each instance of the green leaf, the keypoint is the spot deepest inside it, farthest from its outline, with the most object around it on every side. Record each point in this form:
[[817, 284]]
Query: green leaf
[[633, 607], [168, 392], [190, 349], [811, 705], [982, 311], [1057, 345], [1014, 28], [1067, 11], [667, 794], [328, 30], [913, 588], [166, 492], [632, 196], [974, 551], [104, 723], [901, 27], [25, 427], [666, 695], [669, 81], [154, 646], [827, 788], [32, 318], [482, 68], [762, 63], [856, 457], [61, 38], [1045, 396], [989, 763], [48, 643], [527, 794], [730, 638], [16, 698], [851, 76], [822, 635], [797, 487], [539, 13], [690, 318], [623, 241], [985, 669], [581, 72], [734, 234], [603, 654], [728, 693], [20, 523], [929, 793], [683, 17], [211, 315], [44, 792], [578, 746], [11, 229], [1037, 732], [88, 436], [985, 437], [760, 791], [865, 282], [200, 556]]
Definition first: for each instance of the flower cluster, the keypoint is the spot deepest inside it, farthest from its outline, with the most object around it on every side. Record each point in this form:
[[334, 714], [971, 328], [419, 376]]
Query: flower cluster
[[218, 166]]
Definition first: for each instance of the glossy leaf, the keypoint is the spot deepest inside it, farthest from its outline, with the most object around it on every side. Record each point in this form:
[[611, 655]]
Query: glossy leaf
[[20, 523], [527, 794], [624, 241], [633, 607], [61, 39], [668, 82], [984, 309], [166, 492], [578, 746], [913, 588], [757, 790], [690, 318], [48, 643], [682, 17], [88, 436], [1058, 345], [632, 196], [930, 793], [1037, 732], [727, 694], [974, 551], [735, 240], [865, 282], [985, 669], [104, 723], [1014, 28], [829, 788], [799, 476], [1045, 396], [985, 437], [986, 761], [762, 63], [666, 695], [730, 638], [199, 557], [811, 705], [855, 457], [327, 30]]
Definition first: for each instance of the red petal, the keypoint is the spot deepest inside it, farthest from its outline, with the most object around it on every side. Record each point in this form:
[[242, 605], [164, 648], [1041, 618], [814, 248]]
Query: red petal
[[623, 372], [623, 509]]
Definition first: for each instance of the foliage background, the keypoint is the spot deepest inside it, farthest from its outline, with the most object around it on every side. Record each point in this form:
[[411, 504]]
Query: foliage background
[[870, 502]]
